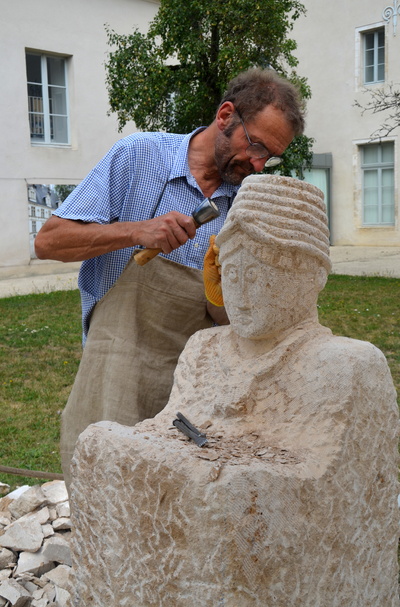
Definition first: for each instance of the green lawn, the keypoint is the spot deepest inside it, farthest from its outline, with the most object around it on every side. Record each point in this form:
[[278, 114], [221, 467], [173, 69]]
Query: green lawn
[[40, 348]]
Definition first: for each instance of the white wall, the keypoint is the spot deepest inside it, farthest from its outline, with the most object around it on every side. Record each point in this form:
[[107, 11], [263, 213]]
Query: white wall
[[329, 57], [74, 28]]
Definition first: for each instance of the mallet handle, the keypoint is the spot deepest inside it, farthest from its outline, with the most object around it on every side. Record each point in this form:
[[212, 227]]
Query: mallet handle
[[146, 255]]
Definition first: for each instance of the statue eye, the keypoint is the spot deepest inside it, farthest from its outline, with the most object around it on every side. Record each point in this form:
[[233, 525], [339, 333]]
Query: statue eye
[[251, 274], [231, 273]]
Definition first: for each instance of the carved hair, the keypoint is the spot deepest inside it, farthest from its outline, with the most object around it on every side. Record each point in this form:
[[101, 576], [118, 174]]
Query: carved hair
[[281, 220], [251, 91]]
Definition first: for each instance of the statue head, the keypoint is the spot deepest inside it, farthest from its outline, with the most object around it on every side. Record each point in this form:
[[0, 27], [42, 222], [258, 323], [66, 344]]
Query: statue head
[[274, 253]]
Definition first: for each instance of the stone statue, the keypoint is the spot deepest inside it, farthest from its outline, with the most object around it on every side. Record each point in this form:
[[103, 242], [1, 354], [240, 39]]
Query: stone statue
[[293, 500]]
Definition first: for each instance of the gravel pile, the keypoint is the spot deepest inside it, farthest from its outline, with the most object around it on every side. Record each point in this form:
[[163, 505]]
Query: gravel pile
[[35, 557]]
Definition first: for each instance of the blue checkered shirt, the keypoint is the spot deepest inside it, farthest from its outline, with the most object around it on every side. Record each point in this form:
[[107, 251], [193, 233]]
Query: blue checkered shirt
[[143, 175]]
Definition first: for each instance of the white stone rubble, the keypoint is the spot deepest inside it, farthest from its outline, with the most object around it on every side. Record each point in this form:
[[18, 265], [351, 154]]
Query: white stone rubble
[[35, 557]]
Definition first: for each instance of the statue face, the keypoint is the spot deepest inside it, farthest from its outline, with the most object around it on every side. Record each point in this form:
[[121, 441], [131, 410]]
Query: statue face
[[261, 299]]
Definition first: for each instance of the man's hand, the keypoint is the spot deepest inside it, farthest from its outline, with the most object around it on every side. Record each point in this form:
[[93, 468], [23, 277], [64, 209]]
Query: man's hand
[[212, 275], [166, 232]]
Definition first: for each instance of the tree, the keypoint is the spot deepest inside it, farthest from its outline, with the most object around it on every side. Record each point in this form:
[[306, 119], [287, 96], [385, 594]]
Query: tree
[[63, 191], [173, 77], [383, 100]]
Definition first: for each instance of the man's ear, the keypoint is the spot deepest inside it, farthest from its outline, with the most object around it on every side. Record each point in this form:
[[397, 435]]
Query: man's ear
[[224, 115]]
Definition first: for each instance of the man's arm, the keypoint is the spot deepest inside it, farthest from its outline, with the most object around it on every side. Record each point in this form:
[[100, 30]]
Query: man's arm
[[72, 240]]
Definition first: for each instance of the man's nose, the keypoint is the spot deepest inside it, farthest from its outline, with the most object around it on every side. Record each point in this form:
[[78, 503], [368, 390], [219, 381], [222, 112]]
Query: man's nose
[[258, 163]]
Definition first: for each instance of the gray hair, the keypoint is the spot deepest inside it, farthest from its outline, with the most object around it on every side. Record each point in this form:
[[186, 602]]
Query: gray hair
[[251, 91]]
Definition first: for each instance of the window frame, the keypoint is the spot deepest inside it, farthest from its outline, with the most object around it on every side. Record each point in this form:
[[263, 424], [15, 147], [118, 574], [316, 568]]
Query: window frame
[[375, 65], [379, 166], [47, 140], [359, 53]]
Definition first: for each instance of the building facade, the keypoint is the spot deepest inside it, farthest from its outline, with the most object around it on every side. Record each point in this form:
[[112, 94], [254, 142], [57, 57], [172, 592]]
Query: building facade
[[348, 50], [55, 125], [54, 106]]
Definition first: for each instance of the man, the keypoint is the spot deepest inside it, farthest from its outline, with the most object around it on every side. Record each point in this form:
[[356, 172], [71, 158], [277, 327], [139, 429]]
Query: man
[[142, 194]]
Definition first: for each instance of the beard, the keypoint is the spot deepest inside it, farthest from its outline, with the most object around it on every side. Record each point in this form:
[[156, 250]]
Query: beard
[[231, 171]]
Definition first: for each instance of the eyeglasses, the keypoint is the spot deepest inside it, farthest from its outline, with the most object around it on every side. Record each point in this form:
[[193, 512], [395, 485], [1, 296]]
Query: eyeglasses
[[258, 150]]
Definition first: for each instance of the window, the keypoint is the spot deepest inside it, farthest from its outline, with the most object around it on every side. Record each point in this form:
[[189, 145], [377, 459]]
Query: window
[[47, 99], [374, 56], [377, 165]]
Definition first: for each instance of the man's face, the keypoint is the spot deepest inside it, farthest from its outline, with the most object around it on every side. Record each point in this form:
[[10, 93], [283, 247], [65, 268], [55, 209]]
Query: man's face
[[262, 299], [268, 127]]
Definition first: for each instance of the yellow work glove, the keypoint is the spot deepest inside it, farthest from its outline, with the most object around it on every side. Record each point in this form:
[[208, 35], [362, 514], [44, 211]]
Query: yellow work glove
[[212, 275]]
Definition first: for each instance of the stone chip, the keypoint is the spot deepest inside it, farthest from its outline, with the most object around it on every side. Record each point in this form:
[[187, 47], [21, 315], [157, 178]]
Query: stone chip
[[16, 594], [23, 536]]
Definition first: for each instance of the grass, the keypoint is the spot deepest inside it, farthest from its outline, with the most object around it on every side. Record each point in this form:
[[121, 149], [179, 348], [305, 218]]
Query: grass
[[365, 308], [40, 349]]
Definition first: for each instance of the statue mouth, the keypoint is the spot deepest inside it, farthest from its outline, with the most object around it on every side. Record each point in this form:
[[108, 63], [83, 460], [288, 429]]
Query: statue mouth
[[244, 316]]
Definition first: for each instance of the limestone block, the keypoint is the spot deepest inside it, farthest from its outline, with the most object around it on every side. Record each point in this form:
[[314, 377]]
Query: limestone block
[[36, 563], [5, 574], [38, 594], [57, 549], [49, 592], [48, 530], [15, 593], [25, 535], [18, 492], [60, 576], [28, 585], [63, 510], [6, 557], [46, 596], [27, 502], [41, 516], [62, 523], [305, 518], [55, 492], [53, 514]]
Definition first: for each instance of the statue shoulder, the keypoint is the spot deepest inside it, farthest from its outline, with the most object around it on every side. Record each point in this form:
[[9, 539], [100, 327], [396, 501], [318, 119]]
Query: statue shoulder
[[348, 348], [352, 361], [205, 338]]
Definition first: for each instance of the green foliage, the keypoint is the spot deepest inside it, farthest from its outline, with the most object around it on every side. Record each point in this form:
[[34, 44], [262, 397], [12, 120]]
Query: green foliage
[[297, 157], [63, 191], [173, 77]]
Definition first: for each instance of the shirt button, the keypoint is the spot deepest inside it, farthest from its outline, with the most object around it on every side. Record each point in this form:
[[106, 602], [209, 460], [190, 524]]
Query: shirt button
[[196, 244]]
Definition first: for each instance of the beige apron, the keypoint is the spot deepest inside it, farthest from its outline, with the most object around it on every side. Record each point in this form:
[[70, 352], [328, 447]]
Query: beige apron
[[137, 332]]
